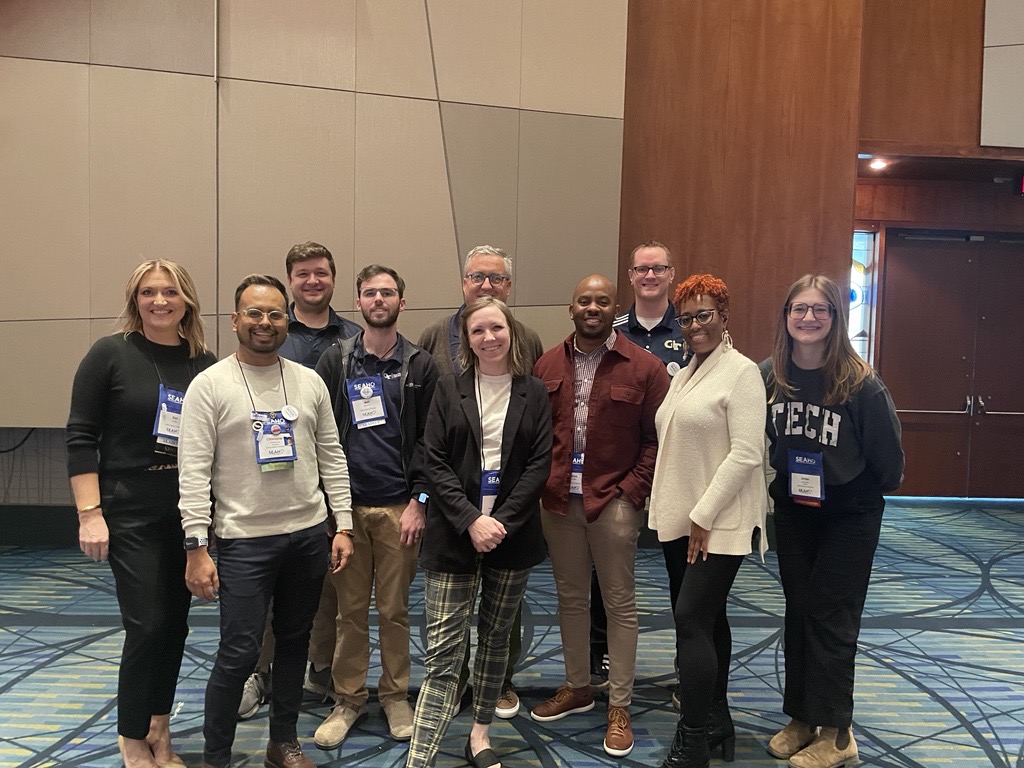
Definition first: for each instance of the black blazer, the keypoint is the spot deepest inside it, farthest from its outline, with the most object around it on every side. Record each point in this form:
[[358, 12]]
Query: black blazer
[[452, 441]]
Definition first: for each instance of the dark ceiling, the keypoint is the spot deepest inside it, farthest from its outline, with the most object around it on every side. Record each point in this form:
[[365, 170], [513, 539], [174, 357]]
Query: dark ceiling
[[942, 168]]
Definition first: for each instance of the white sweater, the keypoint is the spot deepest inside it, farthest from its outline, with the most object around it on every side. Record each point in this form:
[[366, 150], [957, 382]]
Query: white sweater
[[710, 454], [216, 452]]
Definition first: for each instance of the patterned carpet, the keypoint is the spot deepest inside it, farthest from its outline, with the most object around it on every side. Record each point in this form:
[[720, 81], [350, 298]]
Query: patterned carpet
[[940, 678]]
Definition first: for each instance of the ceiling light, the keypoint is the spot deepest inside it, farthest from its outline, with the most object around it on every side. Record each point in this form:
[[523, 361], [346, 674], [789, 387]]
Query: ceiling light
[[878, 164]]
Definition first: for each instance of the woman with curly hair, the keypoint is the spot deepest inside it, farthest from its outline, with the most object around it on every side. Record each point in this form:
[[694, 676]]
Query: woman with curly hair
[[707, 501], [835, 444]]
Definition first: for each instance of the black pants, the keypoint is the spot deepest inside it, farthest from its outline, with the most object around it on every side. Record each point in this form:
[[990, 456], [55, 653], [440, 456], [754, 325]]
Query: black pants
[[148, 563], [703, 636], [825, 559], [289, 568]]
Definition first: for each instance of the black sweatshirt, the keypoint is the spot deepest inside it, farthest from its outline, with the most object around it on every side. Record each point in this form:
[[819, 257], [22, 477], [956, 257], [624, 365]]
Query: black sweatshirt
[[863, 433], [114, 401]]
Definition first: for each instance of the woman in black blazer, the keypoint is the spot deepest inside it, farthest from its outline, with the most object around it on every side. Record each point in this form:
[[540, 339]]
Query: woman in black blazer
[[488, 441]]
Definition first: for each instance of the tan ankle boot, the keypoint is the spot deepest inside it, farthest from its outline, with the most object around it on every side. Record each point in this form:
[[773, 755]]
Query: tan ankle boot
[[824, 753], [791, 739]]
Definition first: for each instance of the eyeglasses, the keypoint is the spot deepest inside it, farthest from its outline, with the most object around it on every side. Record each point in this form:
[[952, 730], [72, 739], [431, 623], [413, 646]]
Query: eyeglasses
[[703, 318], [658, 269], [820, 311], [385, 293], [256, 315], [477, 278]]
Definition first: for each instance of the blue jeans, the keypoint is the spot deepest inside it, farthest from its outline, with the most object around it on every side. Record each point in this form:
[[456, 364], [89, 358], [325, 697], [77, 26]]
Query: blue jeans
[[289, 568]]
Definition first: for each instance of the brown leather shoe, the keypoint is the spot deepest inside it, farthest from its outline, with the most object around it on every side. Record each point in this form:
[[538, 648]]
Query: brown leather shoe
[[566, 701], [286, 754], [618, 739]]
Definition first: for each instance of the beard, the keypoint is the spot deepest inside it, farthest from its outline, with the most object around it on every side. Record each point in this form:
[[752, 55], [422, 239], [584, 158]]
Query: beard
[[381, 321]]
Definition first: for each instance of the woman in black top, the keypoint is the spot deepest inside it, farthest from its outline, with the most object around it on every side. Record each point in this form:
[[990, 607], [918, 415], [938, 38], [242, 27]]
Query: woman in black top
[[122, 442], [835, 445], [488, 444]]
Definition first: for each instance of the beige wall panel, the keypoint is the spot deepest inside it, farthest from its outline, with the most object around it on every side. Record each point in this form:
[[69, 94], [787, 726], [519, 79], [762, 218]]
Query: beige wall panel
[[482, 147], [152, 149], [569, 188], [168, 35], [393, 49], [37, 392], [44, 188], [477, 50], [45, 29], [403, 204], [552, 323], [306, 42], [1002, 97], [414, 321], [286, 176], [574, 56], [1004, 22]]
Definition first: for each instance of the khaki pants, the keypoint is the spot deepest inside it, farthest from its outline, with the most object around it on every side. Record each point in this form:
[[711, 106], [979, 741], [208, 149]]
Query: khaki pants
[[341, 634], [609, 546]]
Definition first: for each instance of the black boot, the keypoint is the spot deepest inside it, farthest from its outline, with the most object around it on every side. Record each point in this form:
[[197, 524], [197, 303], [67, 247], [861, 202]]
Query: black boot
[[689, 748], [721, 732]]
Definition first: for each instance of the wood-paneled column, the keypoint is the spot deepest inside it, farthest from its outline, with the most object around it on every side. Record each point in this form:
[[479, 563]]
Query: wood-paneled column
[[739, 144]]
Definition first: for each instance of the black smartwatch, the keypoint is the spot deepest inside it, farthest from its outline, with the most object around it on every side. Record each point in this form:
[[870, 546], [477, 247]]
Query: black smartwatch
[[423, 498], [192, 542]]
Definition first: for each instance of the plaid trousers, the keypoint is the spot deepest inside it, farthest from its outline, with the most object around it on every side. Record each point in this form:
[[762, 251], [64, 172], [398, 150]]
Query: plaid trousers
[[450, 598]]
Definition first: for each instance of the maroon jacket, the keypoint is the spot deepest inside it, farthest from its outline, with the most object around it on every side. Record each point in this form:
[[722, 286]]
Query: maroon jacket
[[621, 439]]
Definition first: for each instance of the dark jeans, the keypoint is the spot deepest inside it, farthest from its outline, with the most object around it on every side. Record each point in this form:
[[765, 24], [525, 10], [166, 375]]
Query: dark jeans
[[825, 559], [148, 563], [703, 636], [289, 568]]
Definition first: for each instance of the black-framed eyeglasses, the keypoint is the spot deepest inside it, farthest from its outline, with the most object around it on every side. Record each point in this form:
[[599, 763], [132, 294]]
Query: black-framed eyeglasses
[[658, 269], [820, 311], [256, 315], [703, 318], [385, 293], [477, 278]]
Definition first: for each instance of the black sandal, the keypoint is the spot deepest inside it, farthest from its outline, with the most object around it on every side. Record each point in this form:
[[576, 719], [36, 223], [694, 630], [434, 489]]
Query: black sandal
[[485, 758]]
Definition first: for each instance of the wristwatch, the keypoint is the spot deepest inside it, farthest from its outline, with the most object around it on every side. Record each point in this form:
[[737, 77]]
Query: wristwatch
[[344, 532], [423, 498], [192, 542]]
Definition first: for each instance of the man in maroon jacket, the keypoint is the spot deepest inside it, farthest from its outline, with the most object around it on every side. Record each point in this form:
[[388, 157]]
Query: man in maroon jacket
[[604, 392]]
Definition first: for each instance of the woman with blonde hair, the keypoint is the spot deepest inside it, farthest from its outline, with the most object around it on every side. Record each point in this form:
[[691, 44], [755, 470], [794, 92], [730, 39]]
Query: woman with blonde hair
[[488, 445], [835, 445], [122, 439]]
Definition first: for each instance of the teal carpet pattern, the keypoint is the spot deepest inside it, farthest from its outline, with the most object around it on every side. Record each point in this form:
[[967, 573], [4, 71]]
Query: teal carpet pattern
[[940, 676]]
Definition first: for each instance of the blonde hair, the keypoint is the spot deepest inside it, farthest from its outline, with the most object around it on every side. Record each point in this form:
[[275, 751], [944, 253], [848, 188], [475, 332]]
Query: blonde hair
[[843, 369], [467, 358], [191, 326]]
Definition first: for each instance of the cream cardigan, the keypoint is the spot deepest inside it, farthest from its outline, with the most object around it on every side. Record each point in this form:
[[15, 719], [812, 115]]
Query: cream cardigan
[[710, 454]]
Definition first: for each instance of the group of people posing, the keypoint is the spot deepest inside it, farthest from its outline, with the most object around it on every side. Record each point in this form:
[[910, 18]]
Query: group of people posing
[[324, 461]]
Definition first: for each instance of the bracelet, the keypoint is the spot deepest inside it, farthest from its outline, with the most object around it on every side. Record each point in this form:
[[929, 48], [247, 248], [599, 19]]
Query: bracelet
[[89, 508], [344, 532]]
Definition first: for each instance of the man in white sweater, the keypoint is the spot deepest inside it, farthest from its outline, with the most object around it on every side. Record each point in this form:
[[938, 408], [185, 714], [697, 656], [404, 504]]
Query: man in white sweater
[[258, 434]]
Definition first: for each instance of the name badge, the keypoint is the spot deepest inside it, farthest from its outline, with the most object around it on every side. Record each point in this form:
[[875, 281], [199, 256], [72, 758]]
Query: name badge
[[275, 441], [167, 424], [490, 481], [806, 478], [576, 478], [366, 400]]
